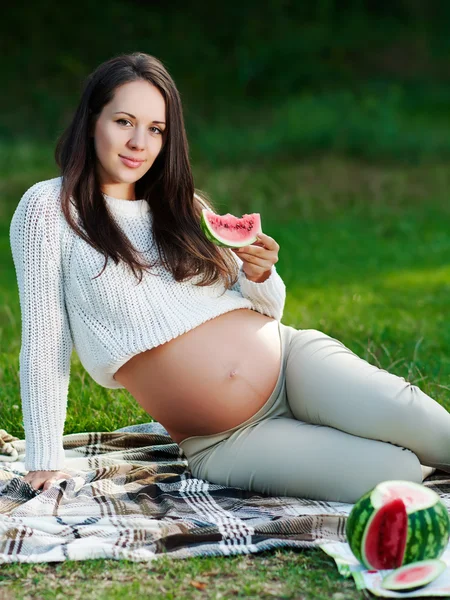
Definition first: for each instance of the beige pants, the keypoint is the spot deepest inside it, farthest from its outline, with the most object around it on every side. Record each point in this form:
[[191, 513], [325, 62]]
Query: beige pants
[[333, 428]]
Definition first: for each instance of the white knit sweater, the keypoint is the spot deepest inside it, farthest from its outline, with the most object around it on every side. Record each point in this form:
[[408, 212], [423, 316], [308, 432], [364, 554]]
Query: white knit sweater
[[107, 320]]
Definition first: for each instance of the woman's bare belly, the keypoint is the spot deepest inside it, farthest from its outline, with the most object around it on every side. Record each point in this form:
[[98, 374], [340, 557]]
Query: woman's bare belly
[[209, 379]]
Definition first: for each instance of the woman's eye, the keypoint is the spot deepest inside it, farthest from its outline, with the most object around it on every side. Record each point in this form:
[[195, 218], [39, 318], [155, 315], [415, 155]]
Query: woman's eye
[[126, 121]]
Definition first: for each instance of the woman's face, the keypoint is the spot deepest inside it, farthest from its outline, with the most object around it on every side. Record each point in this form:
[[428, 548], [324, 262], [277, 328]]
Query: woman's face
[[136, 135]]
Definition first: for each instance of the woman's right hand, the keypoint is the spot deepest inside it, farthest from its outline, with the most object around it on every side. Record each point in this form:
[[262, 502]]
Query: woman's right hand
[[44, 479]]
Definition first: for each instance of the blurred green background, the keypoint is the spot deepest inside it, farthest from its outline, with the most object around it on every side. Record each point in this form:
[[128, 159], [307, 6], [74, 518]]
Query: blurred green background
[[258, 80]]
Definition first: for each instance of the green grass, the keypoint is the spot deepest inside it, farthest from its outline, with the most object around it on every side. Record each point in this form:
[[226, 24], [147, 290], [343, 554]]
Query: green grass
[[364, 252], [278, 574]]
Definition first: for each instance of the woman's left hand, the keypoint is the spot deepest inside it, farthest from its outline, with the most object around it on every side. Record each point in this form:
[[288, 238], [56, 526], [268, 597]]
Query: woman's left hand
[[258, 258]]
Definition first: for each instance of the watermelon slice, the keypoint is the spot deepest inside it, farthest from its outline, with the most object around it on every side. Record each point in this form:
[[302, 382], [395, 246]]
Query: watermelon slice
[[230, 231], [396, 523], [414, 576]]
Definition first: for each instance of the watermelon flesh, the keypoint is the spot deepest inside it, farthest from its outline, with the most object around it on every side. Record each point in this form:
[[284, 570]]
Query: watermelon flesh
[[414, 575], [230, 231], [397, 523], [385, 537]]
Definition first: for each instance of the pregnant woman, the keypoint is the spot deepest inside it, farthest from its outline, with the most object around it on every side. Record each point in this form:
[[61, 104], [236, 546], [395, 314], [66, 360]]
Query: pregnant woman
[[111, 260]]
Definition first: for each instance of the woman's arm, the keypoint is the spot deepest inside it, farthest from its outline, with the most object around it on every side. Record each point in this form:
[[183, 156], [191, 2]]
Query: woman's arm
[[268, 297], [46, 343]]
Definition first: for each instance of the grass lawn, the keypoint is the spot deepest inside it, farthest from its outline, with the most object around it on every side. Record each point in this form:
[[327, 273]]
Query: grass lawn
[[365, 255]]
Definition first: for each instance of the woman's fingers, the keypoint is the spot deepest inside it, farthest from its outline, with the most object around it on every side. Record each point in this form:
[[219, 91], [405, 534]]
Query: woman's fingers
[[44, 479]]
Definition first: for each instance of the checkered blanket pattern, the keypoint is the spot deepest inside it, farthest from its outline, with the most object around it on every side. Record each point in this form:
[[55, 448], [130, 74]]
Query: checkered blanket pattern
[[131, 496]]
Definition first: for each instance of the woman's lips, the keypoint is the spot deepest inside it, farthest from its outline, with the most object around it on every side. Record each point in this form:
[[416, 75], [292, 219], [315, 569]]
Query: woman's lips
[[133, 164]]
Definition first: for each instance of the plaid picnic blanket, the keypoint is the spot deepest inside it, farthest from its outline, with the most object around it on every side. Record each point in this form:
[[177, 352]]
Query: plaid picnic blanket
[[132, 496]]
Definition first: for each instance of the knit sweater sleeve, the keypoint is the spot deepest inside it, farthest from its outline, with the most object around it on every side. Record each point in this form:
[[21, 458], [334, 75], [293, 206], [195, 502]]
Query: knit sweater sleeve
[[46, 343], [268, 297]]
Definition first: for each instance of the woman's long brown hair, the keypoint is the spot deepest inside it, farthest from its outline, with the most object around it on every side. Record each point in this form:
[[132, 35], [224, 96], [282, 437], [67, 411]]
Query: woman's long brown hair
[[168, 186]]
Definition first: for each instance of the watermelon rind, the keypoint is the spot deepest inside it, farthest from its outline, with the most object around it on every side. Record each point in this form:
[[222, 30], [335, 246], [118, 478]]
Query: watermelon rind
[[428, 523], [393, 582], [219, 241]]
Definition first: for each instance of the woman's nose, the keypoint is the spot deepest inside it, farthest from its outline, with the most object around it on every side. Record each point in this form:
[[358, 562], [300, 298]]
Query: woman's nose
[[137, 141]]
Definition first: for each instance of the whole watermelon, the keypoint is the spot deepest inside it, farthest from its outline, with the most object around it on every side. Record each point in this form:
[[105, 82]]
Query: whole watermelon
[[398, 522]]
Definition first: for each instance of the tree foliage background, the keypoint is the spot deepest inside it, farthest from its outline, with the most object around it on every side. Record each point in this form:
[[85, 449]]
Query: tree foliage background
[[364, 77]]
